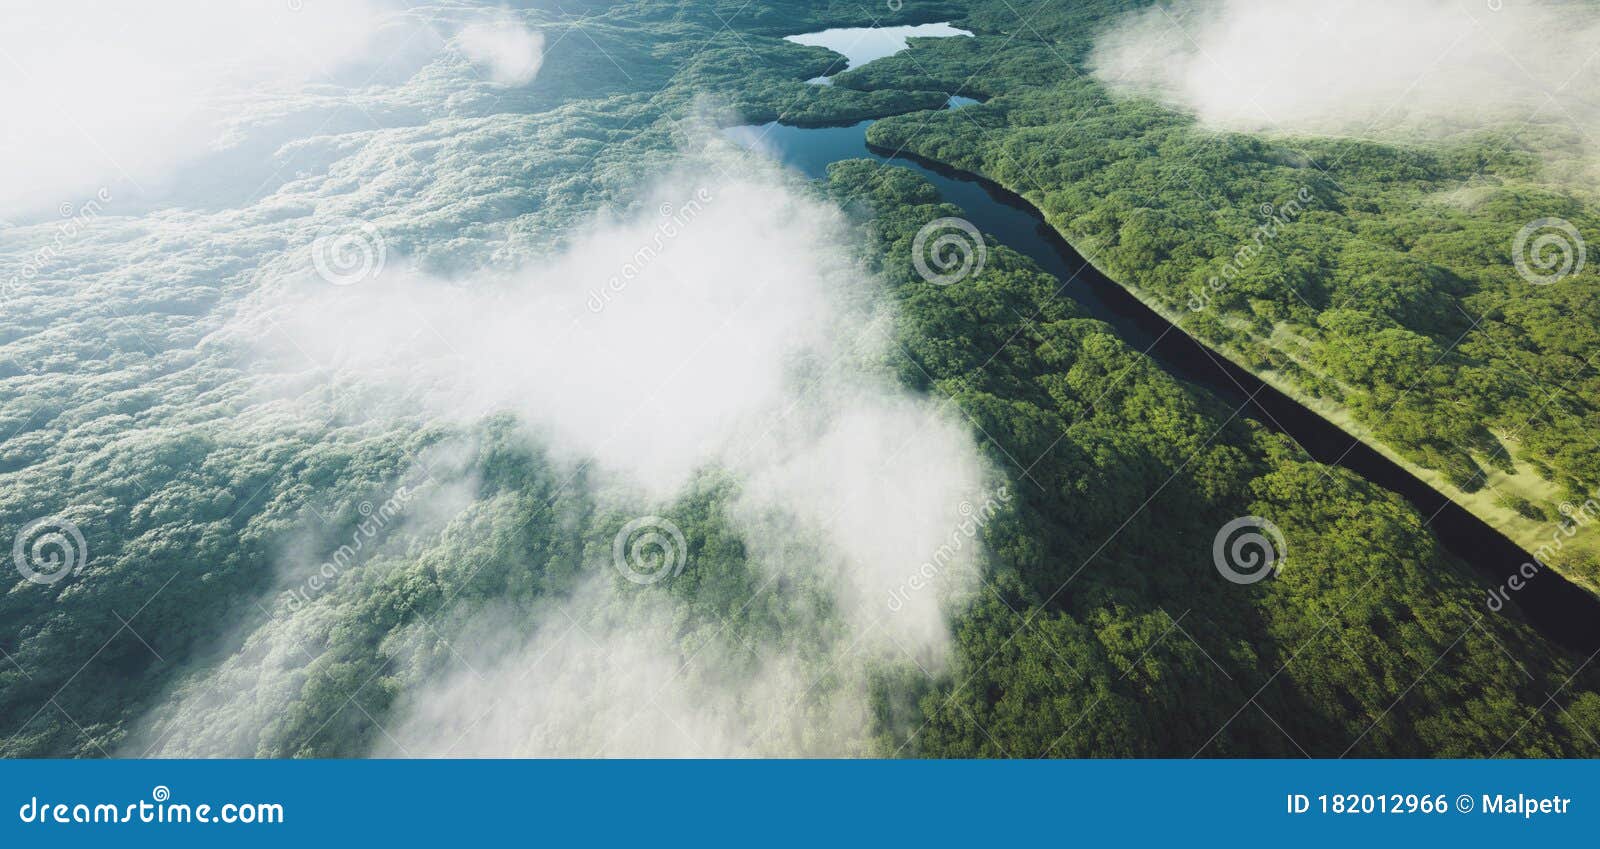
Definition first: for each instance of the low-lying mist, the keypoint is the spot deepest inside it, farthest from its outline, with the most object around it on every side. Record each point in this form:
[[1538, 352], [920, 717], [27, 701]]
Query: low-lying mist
[[720, 331], [1411, 68], [150, 91]]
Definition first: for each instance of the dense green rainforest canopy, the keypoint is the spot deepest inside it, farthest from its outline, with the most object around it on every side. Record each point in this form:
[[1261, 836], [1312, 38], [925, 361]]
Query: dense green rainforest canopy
[[1102, 629]]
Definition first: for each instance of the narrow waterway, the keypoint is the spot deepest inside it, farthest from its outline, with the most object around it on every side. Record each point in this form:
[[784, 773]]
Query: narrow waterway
[[1557, 608]]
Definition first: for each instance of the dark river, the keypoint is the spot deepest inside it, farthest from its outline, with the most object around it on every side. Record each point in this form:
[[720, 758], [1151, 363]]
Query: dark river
[[1557, 608]]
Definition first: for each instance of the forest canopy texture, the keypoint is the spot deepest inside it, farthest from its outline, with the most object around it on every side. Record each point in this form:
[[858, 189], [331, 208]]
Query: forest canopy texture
[[386, 516]]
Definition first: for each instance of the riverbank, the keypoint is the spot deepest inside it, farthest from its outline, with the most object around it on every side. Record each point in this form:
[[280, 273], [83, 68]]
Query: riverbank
[[1531, 535], [1564, 610], [1546, 539], [1561, 607]]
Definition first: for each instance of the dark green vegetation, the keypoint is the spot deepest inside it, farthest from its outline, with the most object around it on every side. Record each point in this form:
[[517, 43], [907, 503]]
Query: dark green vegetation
[[1105, 638], [1392, 301], [1094, 637], [116, 417]]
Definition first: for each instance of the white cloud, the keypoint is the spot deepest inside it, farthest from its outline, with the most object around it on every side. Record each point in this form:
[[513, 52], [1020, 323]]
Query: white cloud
[[1432, 66], [724, 325], [883, 480], [112, 94], [648, 343], [132, 99], [511, 52], [605, 675]]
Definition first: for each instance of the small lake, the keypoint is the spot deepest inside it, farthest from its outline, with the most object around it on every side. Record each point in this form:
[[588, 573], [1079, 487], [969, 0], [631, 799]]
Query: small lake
[[860, 45], [1560, 610]]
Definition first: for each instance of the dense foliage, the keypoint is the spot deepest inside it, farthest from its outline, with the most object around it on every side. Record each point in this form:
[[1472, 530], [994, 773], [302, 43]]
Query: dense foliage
[[1107, 630], [1103, 627], [1386, 295]]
